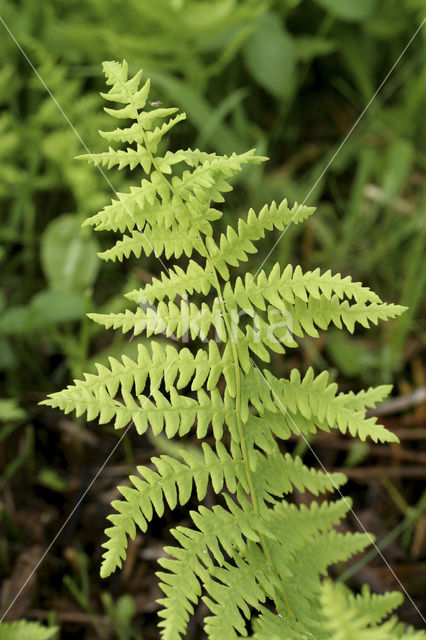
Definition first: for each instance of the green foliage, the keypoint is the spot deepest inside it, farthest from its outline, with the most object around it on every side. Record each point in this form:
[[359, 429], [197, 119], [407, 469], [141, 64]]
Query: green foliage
[[68, 257], [28, 630], [347, 616], [255, 555], [121, 613], [9, 410], [45, 309], [270, 56]]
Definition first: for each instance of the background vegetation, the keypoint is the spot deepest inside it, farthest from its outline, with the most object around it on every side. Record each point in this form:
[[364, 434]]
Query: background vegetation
[[289, 77]]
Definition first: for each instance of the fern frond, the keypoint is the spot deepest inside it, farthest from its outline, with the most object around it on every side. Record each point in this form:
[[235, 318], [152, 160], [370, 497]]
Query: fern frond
[[323, 312], [234, 245], [121, 158], [232, 591], [300, 319], [218, 531], [21, 629], [282, 473], [367, 397], [173, 482], [283, 324], [278, 288], [198, 188], [257, 562], [175, 415], [191, 157], [160, 363], [313, 562], [272, 626], [208, 180], [127, 92], [177, 282], [346, 622], [131, 158], [157, 240], [295, 528], [260, 390], [134, 208], [373, 606], [168, 319], [317, 400]]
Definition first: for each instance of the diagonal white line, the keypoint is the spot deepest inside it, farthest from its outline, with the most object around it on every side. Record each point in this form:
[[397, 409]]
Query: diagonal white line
[[97, 165], [98, 473], [343, 142], [342, 496]]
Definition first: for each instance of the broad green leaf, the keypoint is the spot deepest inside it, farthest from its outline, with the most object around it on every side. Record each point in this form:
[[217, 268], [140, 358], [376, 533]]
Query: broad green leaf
[[350, 10], [69, 256], [270, 56], [45, 309], [309, 47]]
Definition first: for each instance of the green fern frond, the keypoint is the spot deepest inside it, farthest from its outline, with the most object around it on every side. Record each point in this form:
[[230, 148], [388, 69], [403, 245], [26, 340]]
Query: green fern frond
[[305, 521], [208, 180], [323, 312], [278, 288], [234, 245], [256, 560], [278, 331], [177, 282], [173, 481], [316, 400], [157, 240], [282, 473], [134, 208], [162, 363], [302, 406], [29, 630], [232, 591], [176, 414], [275, 627], [169, 319], [300, 320], [140, 156], [295, 530], [218, 532], [375, 607], [308, 566], [346, 622]]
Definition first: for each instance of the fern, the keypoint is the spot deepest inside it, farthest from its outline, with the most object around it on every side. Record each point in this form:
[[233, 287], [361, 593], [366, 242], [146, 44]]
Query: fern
[[28, 630], [255, 559], [360, 617]]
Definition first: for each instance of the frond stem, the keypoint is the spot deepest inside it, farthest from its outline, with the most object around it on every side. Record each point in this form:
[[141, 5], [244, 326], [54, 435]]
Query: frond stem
[[242, 439]]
